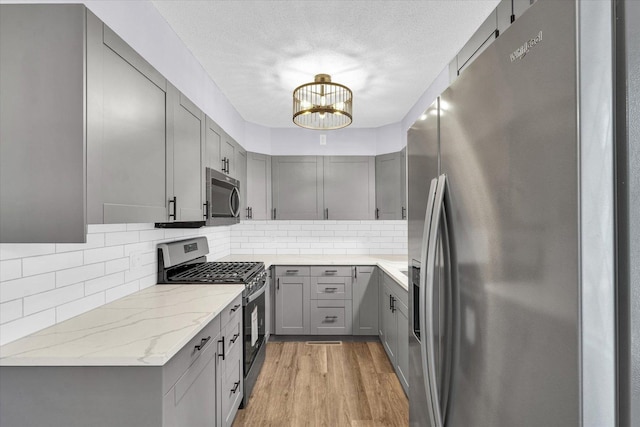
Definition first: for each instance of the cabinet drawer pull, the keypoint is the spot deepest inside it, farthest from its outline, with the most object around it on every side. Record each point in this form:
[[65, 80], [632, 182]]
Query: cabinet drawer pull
[[330, 319], [234, 308], [175, 207], [330, 290], [200, 346], [331, 271], [235, 387], [292, 271], [234, 338]]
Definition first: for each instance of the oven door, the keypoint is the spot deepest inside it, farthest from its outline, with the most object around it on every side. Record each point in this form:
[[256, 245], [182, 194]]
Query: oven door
[[254, 326]]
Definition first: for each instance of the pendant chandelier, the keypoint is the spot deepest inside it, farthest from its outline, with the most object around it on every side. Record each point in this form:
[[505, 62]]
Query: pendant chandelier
[[322, 104]]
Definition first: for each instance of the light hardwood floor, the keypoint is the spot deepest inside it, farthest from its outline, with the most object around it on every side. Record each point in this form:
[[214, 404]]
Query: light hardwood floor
[[352, 384]]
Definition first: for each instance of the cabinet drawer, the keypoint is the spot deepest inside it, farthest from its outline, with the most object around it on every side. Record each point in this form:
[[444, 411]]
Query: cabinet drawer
[[294, 270], [232, 386], [188, 354], [330, 270], [331, 317], [195, 370], [337, 288], [231, 310], [233, 334]]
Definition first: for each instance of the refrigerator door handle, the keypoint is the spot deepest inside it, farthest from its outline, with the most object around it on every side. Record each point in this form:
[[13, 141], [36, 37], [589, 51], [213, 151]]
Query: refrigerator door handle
[[422, 303], [431, 270]]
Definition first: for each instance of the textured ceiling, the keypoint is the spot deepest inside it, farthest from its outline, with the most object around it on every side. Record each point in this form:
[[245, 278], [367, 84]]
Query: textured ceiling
[[387, 52]]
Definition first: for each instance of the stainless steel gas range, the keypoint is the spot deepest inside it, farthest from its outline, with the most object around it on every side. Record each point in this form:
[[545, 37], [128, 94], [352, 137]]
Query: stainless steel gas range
[[185, 262]]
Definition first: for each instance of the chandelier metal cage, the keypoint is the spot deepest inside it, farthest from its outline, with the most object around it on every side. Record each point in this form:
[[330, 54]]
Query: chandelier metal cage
[[322, 104]]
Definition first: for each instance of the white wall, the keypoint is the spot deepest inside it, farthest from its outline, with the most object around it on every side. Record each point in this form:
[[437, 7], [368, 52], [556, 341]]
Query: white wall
[[43, 284], [319, 237]]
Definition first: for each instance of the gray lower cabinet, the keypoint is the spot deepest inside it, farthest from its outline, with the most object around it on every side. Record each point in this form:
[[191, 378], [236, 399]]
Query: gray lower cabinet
[[258, 186], [126, 132], [42, 125], [394, 326], [365, 300], [331, 317], [297, 185], [349, 187], [388, 186], [292, 301], [201, 385], [185, 149]]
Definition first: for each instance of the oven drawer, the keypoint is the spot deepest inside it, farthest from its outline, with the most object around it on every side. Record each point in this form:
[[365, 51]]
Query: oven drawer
[[331, 288], [292, 270], [231, 310], [331, 317], [208, 337], [332, 270]]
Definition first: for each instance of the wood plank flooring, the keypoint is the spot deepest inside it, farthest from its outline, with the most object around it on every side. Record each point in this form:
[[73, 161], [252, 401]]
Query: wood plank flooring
[[352, 384]]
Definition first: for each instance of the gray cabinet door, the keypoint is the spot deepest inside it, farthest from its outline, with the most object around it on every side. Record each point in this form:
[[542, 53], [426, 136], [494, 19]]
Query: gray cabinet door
[[349, 187], [192, 400], [292, 306], [402, 361], [213, 143], [126, 133], [297, 187], [388, 186], [389, 329], [42, 134], [365, 301], [185, 146], [240, 165], [228, 154], [259, 185]]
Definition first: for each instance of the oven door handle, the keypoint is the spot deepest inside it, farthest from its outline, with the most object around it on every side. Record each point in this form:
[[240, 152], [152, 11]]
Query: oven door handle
[[251, 298]]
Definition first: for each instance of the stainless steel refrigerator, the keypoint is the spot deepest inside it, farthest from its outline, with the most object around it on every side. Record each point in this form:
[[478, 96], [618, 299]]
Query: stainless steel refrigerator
[[511, 232]]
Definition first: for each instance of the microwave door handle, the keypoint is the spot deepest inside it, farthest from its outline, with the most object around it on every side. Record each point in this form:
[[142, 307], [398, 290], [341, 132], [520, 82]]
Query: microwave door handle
[[234, 194]]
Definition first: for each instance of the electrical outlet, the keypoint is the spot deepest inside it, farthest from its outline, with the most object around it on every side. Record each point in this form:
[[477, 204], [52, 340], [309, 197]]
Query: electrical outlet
[[135, 260], [323, 139]]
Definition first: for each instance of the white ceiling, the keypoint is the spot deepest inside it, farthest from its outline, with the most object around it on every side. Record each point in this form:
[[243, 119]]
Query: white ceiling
[[387, 52]]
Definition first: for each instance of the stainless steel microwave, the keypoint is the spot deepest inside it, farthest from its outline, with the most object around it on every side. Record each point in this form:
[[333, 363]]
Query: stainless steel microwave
[[223, 199]]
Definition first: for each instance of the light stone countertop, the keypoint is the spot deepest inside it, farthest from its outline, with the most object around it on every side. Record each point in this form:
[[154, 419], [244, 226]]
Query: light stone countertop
[[390, 264], [146, 328]]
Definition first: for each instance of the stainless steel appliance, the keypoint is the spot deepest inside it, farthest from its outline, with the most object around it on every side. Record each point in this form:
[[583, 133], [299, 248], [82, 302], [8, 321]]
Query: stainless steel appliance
[[512, 314], [223, 199], [184, 262]]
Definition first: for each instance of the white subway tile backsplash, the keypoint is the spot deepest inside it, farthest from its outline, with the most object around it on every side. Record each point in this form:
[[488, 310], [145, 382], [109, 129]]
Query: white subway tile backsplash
[[26, 325], [92, 256], [10, 310], [93, 241], [21, 250], [53, 298], [10, 269], [82, 305], [142, 271], [148, 281], [46, 263], [122, 238], [151, 235], [121, 291], [20, 288], [106, 228], [143, 226], [116, 265], [79, 274], [103, 283]]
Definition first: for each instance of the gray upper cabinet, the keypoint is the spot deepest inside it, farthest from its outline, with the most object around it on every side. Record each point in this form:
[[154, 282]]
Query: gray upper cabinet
[[365, 301], [258, 186], [240, 164], [297, 187], [349, 187], [126, 132], [213, 141], [185, 147], [227, 154], [388, 186], [42, 95]]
